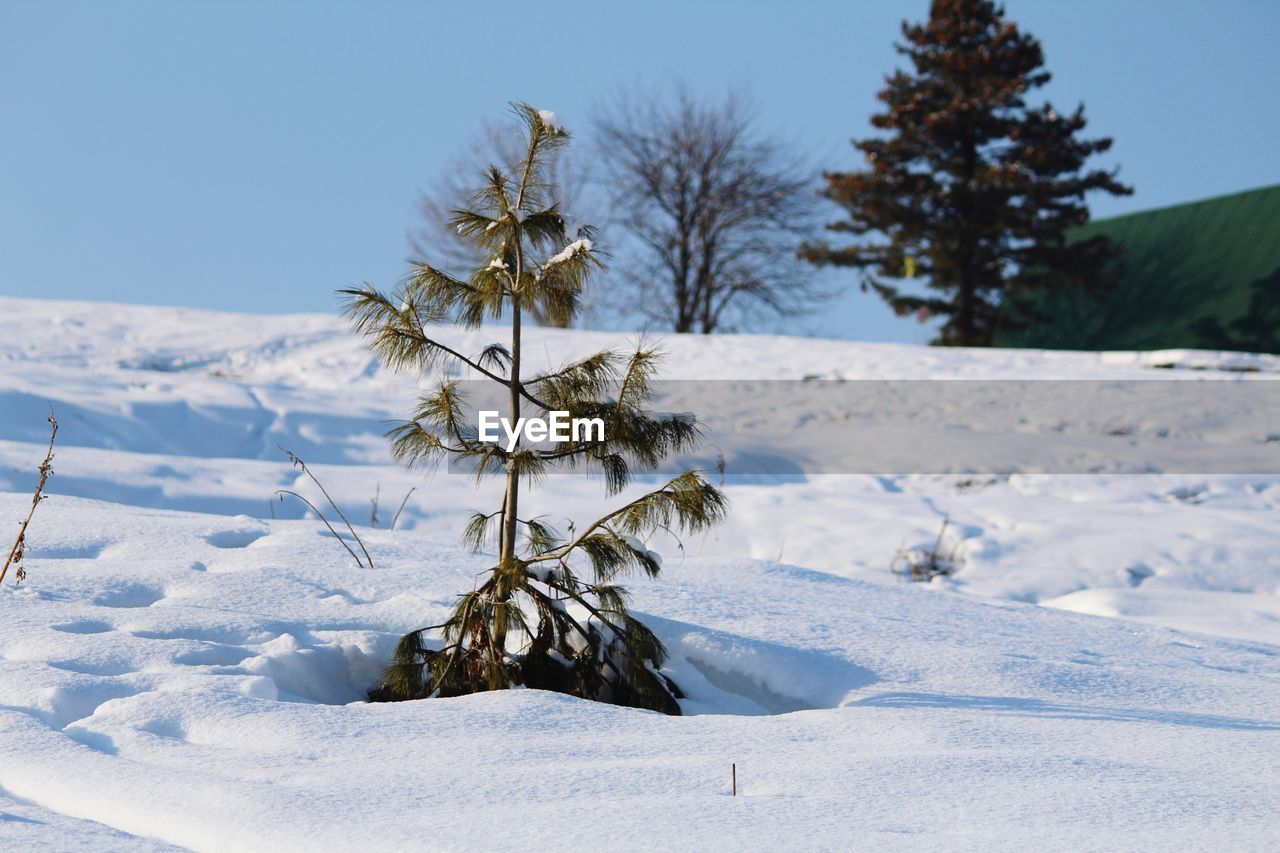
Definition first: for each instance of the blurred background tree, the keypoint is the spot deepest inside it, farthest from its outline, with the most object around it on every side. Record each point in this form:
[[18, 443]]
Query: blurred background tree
[[705, 211], [968, 187]]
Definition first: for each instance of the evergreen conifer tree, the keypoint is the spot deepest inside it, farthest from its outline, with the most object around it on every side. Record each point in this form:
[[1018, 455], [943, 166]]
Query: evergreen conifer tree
[[550, 613], [970, 187]]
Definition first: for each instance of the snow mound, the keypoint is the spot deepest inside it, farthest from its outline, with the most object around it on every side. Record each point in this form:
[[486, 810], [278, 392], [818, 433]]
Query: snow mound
[[227, 711]]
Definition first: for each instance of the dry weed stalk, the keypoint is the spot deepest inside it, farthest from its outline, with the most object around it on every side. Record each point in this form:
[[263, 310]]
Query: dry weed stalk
[[923, 566], [19, 549], [368, 561]]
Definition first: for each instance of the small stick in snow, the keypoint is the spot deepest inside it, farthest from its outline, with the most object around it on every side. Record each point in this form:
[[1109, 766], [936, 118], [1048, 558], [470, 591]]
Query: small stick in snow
[[19, 549], [937, 546], [401, 509], [735, 778]]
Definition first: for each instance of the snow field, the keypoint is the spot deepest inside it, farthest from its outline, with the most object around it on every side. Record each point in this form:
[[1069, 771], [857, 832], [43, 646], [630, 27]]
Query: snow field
[[180, 668]]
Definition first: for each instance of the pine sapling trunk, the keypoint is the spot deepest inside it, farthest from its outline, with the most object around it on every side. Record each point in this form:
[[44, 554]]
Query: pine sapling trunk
[[508, 565], [507, 562], [511, 515]]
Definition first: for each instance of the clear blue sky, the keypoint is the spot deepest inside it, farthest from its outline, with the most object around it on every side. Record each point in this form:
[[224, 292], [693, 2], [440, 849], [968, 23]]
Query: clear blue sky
[[256, 156]]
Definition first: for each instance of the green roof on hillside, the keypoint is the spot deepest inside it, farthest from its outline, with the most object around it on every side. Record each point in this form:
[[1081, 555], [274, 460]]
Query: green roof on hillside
[[1204, 275]]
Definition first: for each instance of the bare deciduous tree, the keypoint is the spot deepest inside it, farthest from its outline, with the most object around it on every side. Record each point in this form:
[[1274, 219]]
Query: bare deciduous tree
[[707, 211], [500, 144]]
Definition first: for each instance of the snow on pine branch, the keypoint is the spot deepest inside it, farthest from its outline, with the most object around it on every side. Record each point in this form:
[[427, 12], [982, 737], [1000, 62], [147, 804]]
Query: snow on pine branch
[[568, 252], [550, 119]]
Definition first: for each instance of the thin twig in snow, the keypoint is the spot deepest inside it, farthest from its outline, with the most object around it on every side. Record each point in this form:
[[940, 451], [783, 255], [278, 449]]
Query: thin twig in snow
[[401, 509], [282, 492], [19, 549]]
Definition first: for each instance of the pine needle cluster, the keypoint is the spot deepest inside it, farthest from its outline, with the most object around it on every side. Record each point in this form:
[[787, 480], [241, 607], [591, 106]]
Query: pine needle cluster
[[551, 613]]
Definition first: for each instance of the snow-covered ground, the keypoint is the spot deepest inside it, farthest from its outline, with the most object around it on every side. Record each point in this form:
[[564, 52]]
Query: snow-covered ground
[[184, 665]]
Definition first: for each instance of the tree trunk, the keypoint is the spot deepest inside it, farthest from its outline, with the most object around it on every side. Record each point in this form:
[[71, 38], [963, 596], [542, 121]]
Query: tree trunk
[[509, 518], [965, 296]]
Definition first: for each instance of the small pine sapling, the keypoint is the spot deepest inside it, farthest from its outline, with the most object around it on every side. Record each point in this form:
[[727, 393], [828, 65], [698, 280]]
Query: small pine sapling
[[550, 613]]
